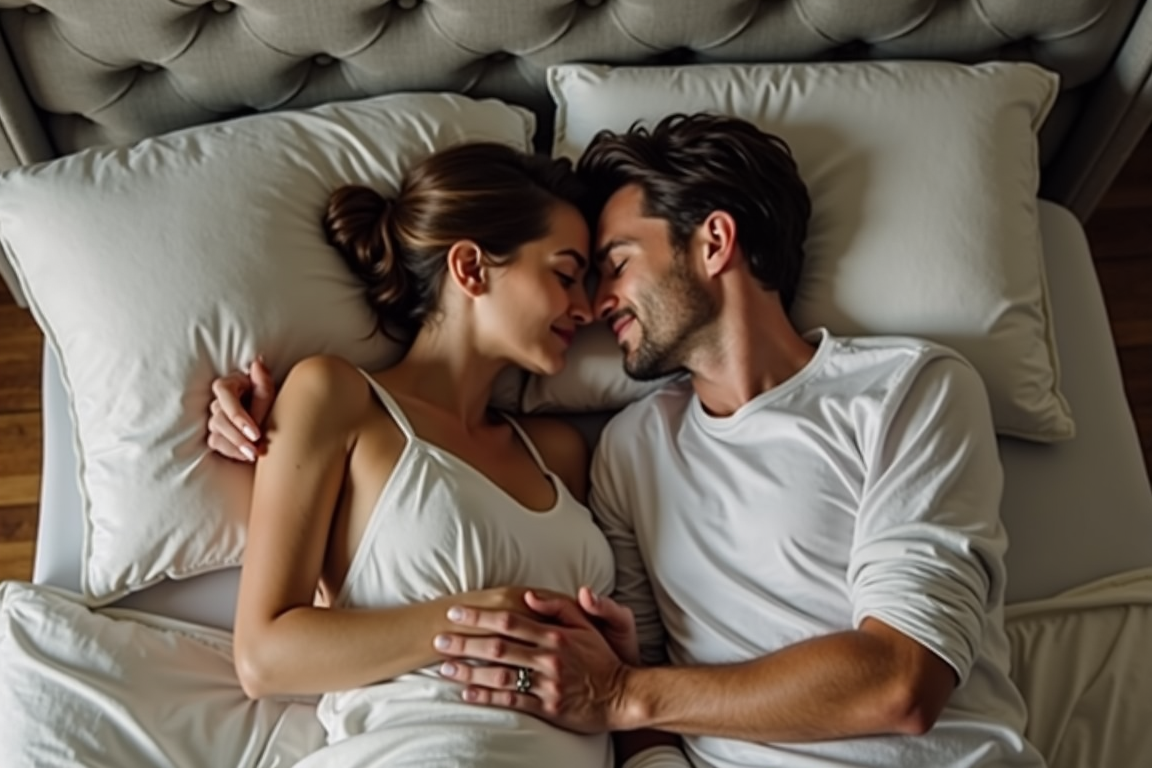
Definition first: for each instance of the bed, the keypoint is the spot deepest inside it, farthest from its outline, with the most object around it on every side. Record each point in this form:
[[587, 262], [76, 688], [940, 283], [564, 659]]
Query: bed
[[78, 77]]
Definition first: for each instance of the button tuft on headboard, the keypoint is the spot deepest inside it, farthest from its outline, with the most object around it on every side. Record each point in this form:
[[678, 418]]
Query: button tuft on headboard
[[33, 9], [407, 5], [222, 6], [322, 60]]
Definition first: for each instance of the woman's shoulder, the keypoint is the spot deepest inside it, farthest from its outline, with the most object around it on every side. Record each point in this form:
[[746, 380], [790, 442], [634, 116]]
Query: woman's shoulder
[[326, 379]]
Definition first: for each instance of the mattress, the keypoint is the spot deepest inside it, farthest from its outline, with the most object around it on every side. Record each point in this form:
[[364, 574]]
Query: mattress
[[1075, 511]]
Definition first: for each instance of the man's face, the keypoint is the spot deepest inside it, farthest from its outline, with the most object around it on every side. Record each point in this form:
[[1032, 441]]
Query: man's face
[[649, 294]]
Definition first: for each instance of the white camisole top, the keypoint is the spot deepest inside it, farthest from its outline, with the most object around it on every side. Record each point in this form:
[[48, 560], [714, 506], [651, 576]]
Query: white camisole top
[[441, 527]]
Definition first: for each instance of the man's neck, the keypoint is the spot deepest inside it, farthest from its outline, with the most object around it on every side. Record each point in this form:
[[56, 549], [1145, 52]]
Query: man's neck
[[753, 348]]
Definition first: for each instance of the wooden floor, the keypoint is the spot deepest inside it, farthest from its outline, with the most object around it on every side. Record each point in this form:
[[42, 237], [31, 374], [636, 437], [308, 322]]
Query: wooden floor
[[1120, 233]]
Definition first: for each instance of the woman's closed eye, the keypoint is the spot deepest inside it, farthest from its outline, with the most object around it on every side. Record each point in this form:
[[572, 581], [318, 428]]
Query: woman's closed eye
[[566, 280]]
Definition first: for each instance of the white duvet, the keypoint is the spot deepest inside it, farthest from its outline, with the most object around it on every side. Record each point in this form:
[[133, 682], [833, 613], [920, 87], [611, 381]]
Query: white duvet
[[1083, 661], [125, 689]]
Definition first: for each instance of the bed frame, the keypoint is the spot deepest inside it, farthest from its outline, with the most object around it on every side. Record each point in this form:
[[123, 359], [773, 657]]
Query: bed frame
[[79, 73]]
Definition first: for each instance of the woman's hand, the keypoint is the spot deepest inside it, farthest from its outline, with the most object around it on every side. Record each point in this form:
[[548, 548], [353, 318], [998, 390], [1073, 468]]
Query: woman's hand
[[504, 602], [241, 403]]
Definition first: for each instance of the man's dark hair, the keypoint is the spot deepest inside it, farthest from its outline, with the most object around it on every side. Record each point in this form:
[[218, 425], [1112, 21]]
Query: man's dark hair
[[689, 166]]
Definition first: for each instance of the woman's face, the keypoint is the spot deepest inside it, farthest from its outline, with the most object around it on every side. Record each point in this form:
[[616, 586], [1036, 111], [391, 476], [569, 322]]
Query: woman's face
[[538, 300]]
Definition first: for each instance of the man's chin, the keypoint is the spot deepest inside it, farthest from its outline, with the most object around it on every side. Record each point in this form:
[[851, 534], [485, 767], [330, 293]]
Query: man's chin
[[646, 373]]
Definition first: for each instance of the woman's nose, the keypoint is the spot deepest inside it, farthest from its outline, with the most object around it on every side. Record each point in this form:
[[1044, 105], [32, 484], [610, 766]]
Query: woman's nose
[[581, 310]]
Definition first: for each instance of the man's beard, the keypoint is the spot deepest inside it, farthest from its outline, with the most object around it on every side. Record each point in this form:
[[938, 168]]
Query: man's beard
[[670, 322]]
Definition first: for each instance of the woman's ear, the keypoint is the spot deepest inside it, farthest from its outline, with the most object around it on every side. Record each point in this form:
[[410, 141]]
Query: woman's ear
[[466, 267], [718, 241]]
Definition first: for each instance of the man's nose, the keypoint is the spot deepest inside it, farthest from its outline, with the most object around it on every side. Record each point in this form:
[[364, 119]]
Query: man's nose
[[605, 300]]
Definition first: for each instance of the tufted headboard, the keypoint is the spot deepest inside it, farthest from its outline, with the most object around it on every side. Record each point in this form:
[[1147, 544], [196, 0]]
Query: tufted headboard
[[77, 73]]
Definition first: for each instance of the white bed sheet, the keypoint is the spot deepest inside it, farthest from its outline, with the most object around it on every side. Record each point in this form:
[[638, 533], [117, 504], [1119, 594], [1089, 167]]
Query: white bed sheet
[[1076, 511]]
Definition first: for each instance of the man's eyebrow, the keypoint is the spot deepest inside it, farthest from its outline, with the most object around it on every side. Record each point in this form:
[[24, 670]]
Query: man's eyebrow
[[581, 260], [611, 245]]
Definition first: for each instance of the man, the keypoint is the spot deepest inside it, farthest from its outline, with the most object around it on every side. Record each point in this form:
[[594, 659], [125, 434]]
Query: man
[[806, 529]]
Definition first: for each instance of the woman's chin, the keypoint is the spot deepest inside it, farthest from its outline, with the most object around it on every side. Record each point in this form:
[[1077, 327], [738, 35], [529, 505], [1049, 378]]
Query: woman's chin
[[548, 364]]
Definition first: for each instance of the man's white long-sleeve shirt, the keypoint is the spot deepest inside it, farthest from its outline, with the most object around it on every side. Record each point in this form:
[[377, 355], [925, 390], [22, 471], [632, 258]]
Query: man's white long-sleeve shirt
[[867, 485]]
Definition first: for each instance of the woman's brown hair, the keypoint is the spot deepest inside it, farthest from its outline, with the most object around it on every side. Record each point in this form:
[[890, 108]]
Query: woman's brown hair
[[489, 193]]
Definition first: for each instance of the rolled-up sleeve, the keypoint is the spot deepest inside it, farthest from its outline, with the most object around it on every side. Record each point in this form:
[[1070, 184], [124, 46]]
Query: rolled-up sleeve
[[928, 551]]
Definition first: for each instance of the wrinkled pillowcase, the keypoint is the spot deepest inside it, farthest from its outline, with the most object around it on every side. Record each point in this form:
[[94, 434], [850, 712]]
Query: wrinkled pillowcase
[[153, 267]]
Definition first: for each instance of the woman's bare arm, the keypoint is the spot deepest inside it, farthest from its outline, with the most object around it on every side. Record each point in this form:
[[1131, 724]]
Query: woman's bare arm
[[283, 643]]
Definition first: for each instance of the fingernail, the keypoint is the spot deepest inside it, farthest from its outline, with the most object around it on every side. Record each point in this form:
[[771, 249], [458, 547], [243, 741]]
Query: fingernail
[[441, 642], [470, 695], [455, 613], [595, 598], [448, 669], [249, 432], [248, 453]]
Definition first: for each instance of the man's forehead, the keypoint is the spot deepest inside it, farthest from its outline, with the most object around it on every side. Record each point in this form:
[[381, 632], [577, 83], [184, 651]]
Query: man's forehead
[[621, 217]]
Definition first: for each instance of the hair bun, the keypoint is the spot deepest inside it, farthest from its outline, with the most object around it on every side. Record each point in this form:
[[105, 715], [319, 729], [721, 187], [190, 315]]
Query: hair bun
[[358, 223]]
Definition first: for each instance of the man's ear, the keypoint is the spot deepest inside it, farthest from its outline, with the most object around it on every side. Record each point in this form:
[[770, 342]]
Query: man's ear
[[718, 242], [466, 267]]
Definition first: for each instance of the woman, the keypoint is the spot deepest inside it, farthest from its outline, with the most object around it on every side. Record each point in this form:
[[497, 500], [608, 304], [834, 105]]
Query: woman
[[382, 499]]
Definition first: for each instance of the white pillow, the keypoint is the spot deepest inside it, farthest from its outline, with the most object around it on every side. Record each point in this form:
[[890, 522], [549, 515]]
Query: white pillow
[[923, 178], [123, 688], [153, 268]]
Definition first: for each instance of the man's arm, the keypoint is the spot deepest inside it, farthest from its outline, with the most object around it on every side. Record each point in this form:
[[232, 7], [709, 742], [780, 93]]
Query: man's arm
[[926, 564], [241, 401], [870, 681]]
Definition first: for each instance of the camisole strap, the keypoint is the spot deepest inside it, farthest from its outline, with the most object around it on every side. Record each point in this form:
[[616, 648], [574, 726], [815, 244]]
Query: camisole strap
[[528, 442], [390, 405]]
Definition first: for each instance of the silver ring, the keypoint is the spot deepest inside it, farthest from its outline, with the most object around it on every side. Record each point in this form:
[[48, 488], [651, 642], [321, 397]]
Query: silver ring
[[523, 680]]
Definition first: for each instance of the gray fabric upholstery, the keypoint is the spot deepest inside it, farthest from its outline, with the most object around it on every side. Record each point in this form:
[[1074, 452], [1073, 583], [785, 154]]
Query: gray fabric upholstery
[[114, 71]]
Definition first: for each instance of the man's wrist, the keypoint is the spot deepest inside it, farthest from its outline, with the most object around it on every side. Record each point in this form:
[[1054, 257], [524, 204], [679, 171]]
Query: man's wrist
[[631, 710]]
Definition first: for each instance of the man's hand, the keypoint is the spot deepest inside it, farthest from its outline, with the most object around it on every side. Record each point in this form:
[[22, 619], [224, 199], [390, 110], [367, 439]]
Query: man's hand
[[614, 621], [575, 678], [241, 403]]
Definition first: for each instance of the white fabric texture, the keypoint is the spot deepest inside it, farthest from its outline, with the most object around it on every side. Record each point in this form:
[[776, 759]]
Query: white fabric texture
[[923, 179], [154, 268], [440, 527], [120, 688], [1083, 661], [867, 484]]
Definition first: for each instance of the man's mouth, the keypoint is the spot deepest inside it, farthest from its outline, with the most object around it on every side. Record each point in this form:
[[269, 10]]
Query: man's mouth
[[620, 325]]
